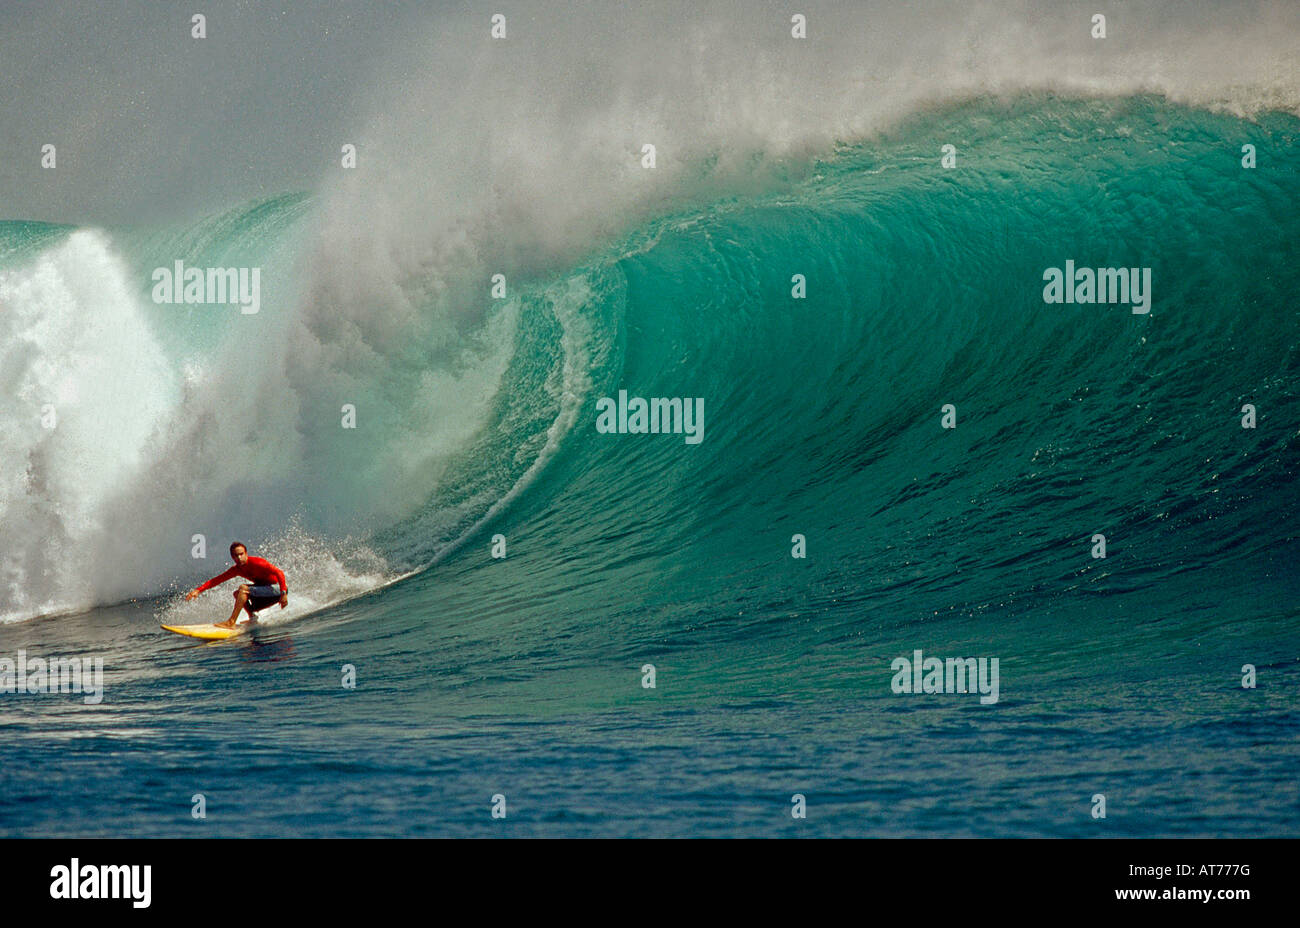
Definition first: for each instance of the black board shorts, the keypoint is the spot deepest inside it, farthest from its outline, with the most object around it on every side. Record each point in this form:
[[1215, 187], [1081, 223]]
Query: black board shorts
[[259, 597]]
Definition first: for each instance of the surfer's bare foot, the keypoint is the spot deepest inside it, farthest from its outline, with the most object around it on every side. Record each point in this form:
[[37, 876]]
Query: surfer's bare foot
[[229, 623]]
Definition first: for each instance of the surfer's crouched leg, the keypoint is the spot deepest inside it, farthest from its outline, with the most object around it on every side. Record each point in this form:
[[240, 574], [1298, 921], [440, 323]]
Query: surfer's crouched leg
[[241, 597]]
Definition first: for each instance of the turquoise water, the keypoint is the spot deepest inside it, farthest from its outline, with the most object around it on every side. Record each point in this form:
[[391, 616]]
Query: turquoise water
[[523, 675]]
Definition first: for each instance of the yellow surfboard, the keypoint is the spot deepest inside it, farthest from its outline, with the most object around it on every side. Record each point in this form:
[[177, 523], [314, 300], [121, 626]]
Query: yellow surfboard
[[209, 632]]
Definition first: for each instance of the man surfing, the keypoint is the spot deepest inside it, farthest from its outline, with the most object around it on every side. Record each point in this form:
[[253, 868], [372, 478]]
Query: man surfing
[[265, 576]]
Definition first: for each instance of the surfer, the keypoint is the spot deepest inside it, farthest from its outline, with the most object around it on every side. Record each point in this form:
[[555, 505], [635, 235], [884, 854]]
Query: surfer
[[265, 576]]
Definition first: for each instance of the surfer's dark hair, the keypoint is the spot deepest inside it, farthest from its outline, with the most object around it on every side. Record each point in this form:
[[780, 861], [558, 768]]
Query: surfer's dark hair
[[237, 544]]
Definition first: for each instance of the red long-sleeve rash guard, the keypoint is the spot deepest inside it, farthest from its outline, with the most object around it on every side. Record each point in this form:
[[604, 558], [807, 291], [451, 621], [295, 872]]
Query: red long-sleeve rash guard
[[257, 569]]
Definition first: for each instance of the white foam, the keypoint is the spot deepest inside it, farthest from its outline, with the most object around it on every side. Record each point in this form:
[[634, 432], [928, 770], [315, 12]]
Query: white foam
[[73, 339]]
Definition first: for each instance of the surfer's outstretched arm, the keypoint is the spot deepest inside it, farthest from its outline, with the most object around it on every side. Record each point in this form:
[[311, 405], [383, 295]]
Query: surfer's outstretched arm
[[215, 581]]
